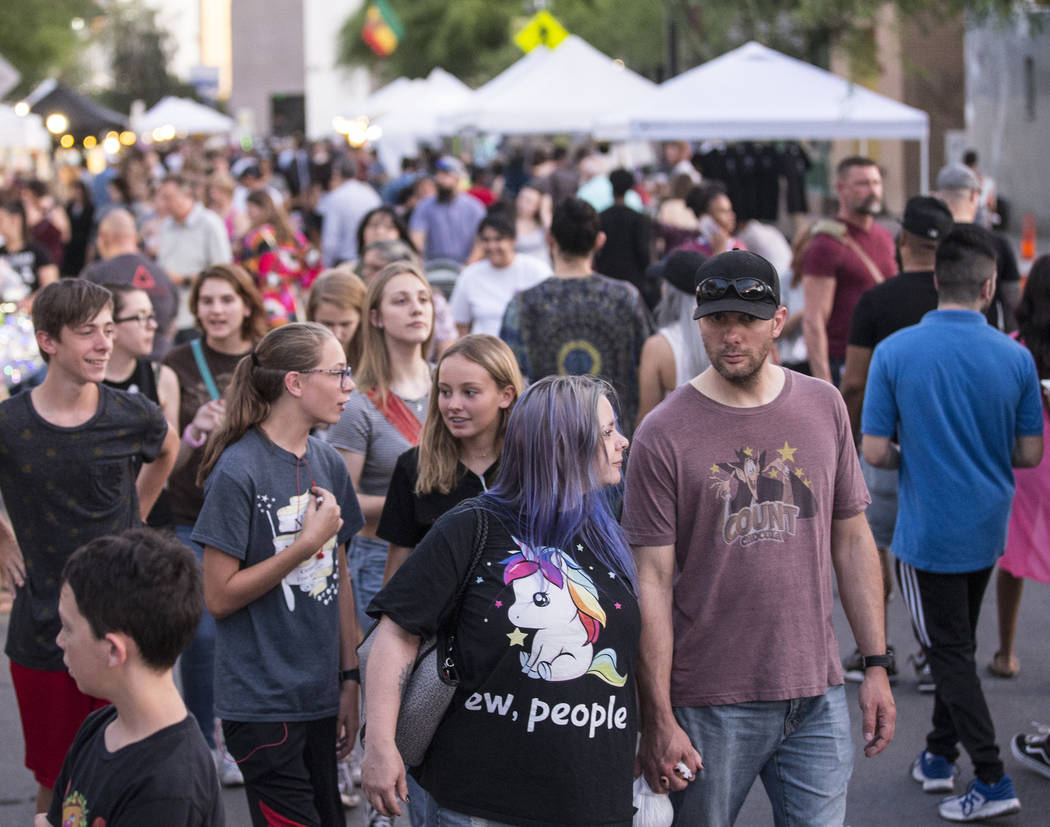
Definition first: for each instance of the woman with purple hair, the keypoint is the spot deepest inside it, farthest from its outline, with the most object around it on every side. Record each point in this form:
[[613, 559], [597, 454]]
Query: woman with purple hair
[[542, 726]]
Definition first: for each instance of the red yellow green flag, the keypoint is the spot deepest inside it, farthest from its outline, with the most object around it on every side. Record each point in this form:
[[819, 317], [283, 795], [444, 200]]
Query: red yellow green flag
[[382, 30]]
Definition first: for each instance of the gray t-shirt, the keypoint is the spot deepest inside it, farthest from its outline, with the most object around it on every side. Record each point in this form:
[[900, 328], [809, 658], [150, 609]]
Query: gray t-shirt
[[364, 430], [63, 487], [277, 659]]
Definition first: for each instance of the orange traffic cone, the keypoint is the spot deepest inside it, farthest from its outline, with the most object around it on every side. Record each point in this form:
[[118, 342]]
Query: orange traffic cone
[[1027, 243]]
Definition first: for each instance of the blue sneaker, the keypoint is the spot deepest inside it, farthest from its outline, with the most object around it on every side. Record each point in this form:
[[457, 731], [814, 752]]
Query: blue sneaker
[[935, 772], [981, 801]]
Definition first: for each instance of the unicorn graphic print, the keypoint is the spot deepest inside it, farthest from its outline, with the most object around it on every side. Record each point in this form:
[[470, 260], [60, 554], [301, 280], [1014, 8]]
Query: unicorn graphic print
[[554, 596]]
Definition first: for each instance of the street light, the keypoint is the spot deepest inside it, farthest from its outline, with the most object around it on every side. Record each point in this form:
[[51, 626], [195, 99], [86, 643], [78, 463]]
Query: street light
[[21, 109], [56, 123]]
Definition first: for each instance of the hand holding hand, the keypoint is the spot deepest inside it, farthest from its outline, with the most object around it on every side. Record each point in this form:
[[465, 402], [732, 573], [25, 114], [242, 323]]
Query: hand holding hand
[[668, 758]]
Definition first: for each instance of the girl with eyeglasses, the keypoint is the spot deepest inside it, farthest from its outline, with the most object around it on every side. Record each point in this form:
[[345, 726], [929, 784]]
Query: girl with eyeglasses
[[279, 509], [130, 368]]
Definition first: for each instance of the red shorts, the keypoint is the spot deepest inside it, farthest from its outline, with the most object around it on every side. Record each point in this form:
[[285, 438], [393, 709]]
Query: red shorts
[[52, 710]]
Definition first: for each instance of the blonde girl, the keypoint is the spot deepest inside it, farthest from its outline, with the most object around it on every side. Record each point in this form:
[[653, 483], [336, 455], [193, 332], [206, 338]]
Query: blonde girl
[[475, 386], [385, 415]]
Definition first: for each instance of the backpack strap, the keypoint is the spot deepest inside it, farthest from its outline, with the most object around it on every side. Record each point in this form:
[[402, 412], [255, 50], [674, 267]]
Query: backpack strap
[[838, 231], [205, 371]]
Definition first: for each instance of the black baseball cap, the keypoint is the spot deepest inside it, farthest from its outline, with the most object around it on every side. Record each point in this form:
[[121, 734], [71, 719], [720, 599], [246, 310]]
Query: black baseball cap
[[927, 217], [735, 266], [679, 269]]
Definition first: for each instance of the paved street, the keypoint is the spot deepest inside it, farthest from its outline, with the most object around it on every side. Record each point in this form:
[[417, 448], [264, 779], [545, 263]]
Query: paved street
[[881, 792]]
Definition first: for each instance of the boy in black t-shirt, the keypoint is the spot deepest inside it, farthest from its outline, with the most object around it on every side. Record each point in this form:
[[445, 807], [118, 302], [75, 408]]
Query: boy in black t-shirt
[[77, 461], [129, 605]]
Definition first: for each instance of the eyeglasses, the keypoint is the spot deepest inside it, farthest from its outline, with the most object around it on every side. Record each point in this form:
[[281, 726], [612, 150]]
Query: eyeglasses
[[749, 289], [346, 375], [143, 317]]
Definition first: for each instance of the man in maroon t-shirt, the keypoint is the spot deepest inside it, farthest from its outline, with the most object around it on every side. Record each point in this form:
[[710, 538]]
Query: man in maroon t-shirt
[[844, 258], [744, 497]]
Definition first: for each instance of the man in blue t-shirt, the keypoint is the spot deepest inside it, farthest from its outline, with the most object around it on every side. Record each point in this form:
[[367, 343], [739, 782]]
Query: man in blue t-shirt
[[964, 400], [444, 225]]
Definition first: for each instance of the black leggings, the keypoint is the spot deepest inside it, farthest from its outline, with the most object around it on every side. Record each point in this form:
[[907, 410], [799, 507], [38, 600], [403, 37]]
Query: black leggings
[[289, 771], [944, 609]]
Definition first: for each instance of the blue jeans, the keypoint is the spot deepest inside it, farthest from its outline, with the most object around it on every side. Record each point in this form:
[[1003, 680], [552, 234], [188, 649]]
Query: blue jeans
[[367, 562], [438, 816], [800, 748], [882, 512], [197, 664], [418, 803]]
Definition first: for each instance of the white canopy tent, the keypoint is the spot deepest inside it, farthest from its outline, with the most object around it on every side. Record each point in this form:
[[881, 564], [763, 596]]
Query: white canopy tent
[[22, 132], [408, 114], [560, 91], [756, 93], [418, 108], [187, 117], [387, 98]]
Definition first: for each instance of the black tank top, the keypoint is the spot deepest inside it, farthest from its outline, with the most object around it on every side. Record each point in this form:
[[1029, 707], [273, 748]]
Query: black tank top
[[144, 380]]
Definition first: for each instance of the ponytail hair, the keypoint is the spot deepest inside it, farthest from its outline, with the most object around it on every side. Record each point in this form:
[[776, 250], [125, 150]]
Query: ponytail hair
[[258, 382]]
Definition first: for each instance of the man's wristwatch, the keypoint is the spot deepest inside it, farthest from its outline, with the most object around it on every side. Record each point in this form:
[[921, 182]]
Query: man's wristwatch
[[885, 661], [350, 675]]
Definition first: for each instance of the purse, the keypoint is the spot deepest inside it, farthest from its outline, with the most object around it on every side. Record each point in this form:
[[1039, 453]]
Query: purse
[[434, 679]]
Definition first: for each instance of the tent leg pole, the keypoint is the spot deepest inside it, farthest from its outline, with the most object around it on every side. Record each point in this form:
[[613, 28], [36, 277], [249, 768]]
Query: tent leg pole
[[924, 164]]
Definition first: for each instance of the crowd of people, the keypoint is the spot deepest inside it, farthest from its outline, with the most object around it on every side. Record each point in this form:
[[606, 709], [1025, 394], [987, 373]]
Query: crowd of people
[[338, 398]]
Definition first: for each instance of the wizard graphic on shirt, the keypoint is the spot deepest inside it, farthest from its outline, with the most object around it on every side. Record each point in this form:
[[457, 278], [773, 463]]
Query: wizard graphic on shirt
[[763, 495]]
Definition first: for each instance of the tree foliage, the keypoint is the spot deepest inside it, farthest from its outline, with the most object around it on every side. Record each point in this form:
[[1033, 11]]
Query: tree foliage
[[37, 38], [472, 38], [140, 52]]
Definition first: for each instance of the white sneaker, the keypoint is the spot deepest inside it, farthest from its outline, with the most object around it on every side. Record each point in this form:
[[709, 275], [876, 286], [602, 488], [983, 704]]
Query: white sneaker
[[981, 801], [377, 820], [226, 767], [229, 773], [346, 785], [355, 765]]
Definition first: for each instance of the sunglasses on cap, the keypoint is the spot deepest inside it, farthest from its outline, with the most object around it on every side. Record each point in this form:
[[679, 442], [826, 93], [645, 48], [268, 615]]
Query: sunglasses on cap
[[749, 289]]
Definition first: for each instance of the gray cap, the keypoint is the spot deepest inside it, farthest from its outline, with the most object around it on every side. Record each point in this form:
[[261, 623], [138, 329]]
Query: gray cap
[[957, 177]]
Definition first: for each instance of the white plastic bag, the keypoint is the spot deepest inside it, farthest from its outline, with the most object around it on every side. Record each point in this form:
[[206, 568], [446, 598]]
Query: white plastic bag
[[652, 809]]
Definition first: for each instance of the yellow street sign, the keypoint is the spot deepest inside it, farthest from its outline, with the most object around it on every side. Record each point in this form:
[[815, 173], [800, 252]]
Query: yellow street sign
[[542, 30]]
